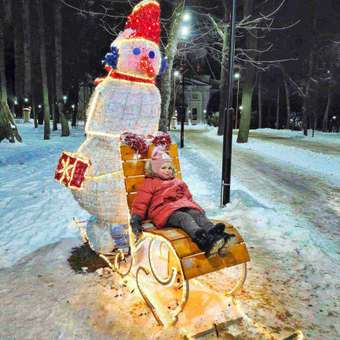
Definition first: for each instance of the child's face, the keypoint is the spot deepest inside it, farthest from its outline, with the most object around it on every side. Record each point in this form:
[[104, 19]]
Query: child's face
[[166, 170]]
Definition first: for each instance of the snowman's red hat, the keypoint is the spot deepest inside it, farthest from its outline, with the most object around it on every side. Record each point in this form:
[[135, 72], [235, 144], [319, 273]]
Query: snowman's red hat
[[144, 22]]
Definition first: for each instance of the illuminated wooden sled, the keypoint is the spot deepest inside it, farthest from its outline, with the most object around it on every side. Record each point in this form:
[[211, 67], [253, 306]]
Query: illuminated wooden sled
[[184, 260]]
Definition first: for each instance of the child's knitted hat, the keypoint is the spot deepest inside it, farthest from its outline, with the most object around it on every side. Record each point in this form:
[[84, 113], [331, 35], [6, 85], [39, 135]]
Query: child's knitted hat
[[158, 158]]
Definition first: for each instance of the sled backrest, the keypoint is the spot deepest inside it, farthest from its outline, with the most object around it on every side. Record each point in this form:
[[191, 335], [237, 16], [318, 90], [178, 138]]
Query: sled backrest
[[133, 167]]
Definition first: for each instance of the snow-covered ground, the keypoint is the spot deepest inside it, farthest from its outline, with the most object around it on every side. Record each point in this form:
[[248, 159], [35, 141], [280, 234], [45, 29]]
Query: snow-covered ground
[[285, 201], [34, 209]]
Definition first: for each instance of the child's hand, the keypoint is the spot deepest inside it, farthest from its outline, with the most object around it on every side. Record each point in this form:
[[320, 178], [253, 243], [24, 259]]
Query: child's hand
[[136, 224]]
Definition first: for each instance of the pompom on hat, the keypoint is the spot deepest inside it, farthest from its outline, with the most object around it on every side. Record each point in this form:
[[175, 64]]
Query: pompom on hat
[[144, 21], [158, 158]]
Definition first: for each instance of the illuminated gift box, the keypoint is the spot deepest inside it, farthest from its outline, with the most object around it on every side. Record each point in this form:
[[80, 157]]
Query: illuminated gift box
[[71, 170]]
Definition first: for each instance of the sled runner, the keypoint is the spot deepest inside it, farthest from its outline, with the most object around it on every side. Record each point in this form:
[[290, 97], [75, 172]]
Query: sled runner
[[170, 246]]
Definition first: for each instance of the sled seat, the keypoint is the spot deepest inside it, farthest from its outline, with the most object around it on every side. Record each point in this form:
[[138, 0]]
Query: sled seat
[[194, 262]]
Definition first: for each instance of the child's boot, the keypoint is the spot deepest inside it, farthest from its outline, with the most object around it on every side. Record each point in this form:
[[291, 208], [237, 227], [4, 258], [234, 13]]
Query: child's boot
[[202, 240], [217, 229], [216, 243]]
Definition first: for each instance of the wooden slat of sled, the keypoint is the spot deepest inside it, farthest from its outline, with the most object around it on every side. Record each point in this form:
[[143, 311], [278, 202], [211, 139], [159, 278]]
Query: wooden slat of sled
[[199, 264]]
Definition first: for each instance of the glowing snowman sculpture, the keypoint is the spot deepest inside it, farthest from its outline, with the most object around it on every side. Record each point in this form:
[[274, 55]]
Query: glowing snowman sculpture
[[127, 100]]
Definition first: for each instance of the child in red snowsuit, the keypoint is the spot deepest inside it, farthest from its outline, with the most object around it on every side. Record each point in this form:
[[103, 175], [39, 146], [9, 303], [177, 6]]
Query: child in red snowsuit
[[167, 201]]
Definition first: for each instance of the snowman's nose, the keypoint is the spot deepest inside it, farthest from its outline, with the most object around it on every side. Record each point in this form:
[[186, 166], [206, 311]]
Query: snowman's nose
[[145, 65]]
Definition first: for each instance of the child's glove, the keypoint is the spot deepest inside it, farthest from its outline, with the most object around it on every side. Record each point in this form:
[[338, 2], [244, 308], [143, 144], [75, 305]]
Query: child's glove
[[136, 224]]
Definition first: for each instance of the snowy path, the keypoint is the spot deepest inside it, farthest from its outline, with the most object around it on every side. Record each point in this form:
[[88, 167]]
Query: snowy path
[[273, 206], [321, 145], [306, 195]]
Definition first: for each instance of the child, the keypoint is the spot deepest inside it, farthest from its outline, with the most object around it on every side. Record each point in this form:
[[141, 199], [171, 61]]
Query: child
[[167, 201]]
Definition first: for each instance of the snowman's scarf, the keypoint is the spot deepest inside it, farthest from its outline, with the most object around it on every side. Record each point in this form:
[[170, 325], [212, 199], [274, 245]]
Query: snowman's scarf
[[117, 75]]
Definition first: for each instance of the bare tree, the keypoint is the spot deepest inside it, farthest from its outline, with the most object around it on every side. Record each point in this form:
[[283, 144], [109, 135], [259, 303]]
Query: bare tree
[[259, 96], [251, 30], [170, 52], [28, 57], [287, 94], [65, 131], [43, 67], [8, 128], [223, 30], [18, 55]]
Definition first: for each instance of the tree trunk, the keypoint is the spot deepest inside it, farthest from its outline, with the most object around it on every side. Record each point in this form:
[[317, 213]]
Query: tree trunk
[[223, 80], [326, 113], [307, 94], [287, 100], [305, 113], [27, 54], [8, 128], [53, 110], [18, 55], [43, 66], [259, 94], [247, 95], [277, 120], [249, 79], [170, 52], [65, 130]]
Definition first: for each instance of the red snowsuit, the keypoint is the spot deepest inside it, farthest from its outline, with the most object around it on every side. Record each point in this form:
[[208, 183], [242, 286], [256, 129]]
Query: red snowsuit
[[157, 199]]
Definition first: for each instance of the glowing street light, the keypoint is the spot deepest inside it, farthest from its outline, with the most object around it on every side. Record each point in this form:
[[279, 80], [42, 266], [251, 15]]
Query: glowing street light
[[26, 100], [39, 106], [177, 74], [186, 17], [237, 76], [15, 102], [185, 31], [73, 106], [65, 99], [240, 107]]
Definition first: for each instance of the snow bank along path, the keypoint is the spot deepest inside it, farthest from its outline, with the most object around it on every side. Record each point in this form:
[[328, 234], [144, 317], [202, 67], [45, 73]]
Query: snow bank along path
[[34, 209]]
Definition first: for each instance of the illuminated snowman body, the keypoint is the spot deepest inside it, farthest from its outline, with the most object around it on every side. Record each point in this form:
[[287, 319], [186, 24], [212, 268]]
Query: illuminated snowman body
[[126, 101]]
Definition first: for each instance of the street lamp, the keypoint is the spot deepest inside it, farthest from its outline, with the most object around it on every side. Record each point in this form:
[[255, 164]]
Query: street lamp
[[65, 99], [186, 17], [176, 76], [185, 31], [237, 76], [229, 113], [184, 34]]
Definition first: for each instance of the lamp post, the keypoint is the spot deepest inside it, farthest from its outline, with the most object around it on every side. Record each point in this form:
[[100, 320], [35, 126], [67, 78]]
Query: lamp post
[[176, 76], [183, 113], [185, 32], [229, 112], [237, 76]]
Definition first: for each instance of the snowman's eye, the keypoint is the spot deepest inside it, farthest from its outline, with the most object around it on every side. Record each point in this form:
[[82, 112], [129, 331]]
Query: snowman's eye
[[151, 54], [136, 51]]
